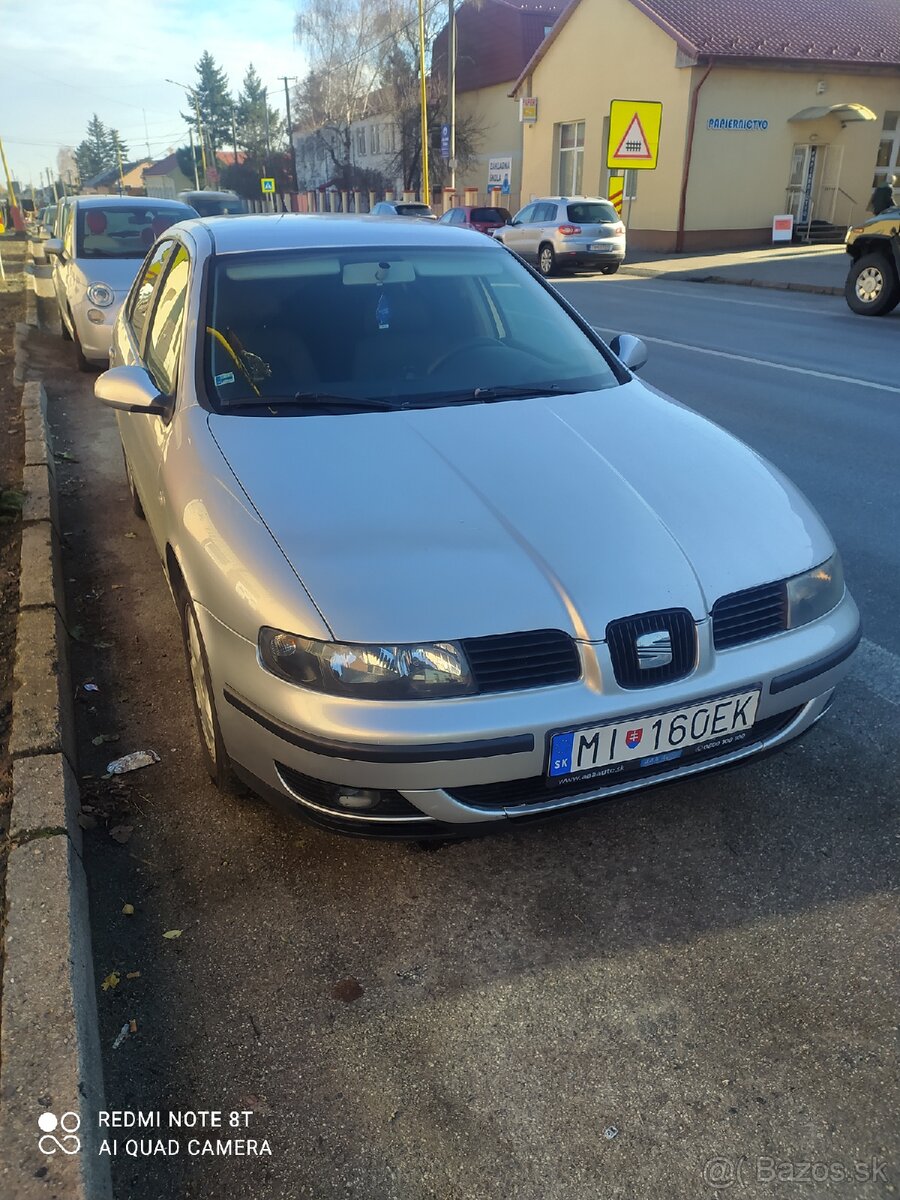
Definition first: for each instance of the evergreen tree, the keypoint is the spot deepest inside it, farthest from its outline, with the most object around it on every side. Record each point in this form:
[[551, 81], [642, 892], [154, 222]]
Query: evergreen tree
[[214, 102], [250, 118], [92, 155], [116, 149]]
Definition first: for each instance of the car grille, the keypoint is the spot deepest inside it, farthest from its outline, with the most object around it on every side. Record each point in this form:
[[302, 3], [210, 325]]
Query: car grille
[[749, 615], [325, 794], [509, 662], [514, 793], [621, 637]]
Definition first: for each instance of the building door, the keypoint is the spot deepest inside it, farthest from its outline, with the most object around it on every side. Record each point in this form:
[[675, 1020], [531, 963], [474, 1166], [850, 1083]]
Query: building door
[[807, 168]]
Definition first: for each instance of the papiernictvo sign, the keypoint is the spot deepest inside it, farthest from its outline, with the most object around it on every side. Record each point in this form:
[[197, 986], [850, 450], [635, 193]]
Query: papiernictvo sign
[[737, 123]]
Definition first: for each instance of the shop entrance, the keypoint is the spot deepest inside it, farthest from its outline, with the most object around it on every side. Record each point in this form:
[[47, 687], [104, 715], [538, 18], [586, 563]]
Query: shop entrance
[[813, 190]]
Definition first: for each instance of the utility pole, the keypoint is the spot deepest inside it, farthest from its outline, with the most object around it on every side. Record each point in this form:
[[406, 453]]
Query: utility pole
[[121, 177], [234, 136], [451, 87], [146, 132], [268, 145], [426, 195], [194, 159], [18, 223], [52, 182], [200, 136], [290, 133]]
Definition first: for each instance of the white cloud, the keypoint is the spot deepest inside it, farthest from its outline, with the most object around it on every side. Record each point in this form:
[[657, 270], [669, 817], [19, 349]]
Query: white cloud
[[60, 62]]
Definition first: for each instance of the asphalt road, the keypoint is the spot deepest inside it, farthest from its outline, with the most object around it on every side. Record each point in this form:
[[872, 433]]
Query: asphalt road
[[689, 987]]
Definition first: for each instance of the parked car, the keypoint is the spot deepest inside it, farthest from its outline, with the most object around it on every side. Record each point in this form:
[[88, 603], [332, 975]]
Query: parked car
[[214, 204], [484, 219], [873, 281], [441, 560], [561, 233], [403, 208], [46, 220], [95, 259]]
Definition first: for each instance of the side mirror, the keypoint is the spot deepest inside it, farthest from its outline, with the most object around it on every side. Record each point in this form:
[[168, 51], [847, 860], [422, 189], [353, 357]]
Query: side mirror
[[629, 350], [53, 247], [512, 221], [130, 389]]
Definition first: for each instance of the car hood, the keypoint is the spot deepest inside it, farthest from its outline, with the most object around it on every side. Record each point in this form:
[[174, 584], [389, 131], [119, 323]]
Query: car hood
[[563, 512], [118, 273]]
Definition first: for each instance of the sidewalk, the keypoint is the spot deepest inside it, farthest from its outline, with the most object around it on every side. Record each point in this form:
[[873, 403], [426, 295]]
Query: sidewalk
[[790, 268]]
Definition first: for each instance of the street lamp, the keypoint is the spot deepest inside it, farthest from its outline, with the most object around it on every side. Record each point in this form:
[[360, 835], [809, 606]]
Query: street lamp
[[193, 97]]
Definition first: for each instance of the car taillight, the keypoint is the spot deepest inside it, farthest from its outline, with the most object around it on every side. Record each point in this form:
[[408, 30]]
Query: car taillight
[[620, 228], [568, 230]]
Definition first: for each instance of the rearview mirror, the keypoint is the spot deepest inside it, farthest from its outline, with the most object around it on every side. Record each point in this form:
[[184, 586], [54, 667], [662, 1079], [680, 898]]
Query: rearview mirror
[[629, 350], [130, 389], [53, 247]]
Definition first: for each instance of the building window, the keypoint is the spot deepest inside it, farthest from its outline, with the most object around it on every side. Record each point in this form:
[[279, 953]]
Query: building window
[[888, 161], [361, 142], [375, 139], [571, 157]]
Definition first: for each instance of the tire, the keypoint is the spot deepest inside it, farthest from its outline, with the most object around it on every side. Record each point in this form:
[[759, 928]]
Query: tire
[[83, 364], [212, 748], [136, 507], [610, 269], [872, 288], [63, 328], [546, 260]]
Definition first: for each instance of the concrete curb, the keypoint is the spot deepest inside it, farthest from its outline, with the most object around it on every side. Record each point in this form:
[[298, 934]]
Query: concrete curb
[[776, 285], [49, 1040]]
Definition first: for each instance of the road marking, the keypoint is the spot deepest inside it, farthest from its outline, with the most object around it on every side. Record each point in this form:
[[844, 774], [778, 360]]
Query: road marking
[[878, 670], [760, 362]]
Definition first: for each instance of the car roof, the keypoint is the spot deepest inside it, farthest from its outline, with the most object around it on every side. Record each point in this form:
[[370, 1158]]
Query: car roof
[[211, 195], [568, 199], [299, 231], [125, 202]]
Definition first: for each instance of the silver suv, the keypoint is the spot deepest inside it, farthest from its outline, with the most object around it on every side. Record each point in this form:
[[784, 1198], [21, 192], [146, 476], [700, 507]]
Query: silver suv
[[566, 232]]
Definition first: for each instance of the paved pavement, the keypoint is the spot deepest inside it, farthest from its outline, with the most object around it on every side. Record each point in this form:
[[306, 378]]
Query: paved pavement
[[689, 986], [785, 267]]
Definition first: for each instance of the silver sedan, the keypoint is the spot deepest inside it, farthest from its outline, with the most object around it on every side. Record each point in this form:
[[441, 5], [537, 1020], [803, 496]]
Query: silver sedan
[[441, 560]]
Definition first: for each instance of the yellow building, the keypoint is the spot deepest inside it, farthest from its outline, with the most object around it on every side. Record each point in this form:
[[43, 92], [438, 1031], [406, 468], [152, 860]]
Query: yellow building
[[767, 109]]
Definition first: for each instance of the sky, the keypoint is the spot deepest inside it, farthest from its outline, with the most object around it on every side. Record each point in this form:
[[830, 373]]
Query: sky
[[63, 60]]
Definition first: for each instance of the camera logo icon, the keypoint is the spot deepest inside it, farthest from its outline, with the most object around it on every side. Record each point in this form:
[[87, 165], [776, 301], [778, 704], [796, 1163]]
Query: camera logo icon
[[59, 1133]]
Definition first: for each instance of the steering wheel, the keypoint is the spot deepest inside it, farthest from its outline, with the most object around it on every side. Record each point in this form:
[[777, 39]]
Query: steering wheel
[[466, 348]]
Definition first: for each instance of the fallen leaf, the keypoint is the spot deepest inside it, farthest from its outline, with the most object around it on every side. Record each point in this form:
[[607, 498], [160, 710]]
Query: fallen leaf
[[102, 645], [111, 981], [101, 738], [347, 990], [116, 587], [132, 1025], [133, 975], [128, 910], [87, 820], [131, 534], [121, 833], [172, 933], [65, 456]]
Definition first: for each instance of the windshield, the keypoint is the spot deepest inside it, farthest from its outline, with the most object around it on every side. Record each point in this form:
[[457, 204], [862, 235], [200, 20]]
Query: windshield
[[407, 326], [217, 207], [592, 212], [413, 210], [123, 231], [490, 216]]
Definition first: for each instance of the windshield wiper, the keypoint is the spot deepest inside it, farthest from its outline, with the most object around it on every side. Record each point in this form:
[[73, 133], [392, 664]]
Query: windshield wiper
[[486, 395], [310, 401]]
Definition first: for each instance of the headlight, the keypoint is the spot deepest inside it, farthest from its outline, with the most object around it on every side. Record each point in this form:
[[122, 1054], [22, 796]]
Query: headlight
[[815, 593], [427, 671], [100, 294]]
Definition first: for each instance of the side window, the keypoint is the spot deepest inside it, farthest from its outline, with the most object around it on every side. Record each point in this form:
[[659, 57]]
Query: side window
[[141, 298], [526, 214], [69, 232], [163, 348], [544, 213], [459, 216]]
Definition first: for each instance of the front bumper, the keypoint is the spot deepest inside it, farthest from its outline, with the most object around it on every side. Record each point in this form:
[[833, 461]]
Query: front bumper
[[430, 758], [96, 339]]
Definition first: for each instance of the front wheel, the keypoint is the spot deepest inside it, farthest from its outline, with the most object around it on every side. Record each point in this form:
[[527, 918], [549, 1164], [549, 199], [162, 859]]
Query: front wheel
[[872, 288], [212, 748], [83, 364], [546, 260]]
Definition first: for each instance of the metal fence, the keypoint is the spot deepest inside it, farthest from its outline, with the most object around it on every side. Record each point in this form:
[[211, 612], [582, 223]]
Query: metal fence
[[334, 201]]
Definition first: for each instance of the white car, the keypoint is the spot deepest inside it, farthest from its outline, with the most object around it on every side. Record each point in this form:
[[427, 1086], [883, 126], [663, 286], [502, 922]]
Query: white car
[[96, 255]]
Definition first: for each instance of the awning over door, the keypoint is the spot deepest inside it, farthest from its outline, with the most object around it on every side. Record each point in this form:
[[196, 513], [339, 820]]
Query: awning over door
[[844, 113]]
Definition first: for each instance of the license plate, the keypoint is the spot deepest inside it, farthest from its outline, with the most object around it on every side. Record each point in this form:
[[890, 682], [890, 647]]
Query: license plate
[[650, 740], [603, 245]]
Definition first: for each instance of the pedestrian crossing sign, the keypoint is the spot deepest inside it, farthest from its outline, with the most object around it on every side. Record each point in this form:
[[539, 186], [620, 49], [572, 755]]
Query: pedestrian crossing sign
[[267, 185], [634, 134]]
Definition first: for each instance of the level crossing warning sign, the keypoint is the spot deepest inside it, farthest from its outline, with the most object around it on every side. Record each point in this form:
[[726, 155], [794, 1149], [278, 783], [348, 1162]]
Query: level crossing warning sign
[[634, 127]]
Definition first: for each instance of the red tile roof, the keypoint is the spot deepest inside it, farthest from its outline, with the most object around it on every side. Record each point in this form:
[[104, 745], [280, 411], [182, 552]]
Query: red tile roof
[[862, 33], [494, 41], [845, 31]]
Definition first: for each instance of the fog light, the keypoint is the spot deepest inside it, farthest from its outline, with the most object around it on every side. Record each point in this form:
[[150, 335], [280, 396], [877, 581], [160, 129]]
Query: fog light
[[358, 798], [95, 316]]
